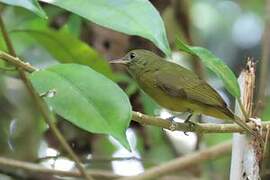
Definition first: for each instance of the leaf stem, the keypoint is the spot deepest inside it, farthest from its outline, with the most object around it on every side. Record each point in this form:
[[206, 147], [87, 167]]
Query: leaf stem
[[48, 117], [242, 109]]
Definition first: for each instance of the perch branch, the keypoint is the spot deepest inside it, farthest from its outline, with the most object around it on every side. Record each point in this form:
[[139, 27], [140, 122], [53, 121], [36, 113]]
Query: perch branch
[[183, 162], [41, 105], [198, 128]]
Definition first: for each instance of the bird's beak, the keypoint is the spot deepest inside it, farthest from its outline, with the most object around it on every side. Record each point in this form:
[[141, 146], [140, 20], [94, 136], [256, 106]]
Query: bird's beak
[[118, 61]]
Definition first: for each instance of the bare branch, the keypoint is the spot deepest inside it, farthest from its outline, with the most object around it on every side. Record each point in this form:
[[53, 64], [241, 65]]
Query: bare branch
[[6, 162], [198, 128], [184, 162]]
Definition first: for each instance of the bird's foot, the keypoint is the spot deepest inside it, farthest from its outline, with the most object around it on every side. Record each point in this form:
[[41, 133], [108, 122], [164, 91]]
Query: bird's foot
[[173, 123], [190, 124]]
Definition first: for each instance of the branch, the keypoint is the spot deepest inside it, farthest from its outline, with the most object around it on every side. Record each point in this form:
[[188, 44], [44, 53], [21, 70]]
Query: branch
[[101, 174], [41, 105], [183, 162], [198, 128], [92, 159], [17, 62]]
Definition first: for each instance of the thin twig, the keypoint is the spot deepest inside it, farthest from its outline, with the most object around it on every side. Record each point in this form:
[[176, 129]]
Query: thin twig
[[7, 40], [243, 111], [15, 60], [92, 159], [6, 162], [264, 65], [48, 117], [184, 162]]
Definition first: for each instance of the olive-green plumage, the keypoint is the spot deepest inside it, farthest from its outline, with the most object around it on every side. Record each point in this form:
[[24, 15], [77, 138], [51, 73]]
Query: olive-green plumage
[[175, 87]]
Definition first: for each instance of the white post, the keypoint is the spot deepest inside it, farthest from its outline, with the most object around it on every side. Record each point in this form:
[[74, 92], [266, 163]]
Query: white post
[[246, 150]]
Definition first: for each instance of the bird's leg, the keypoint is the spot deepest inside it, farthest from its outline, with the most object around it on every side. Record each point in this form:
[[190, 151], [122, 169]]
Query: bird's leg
[[187, 120], [171, 118]]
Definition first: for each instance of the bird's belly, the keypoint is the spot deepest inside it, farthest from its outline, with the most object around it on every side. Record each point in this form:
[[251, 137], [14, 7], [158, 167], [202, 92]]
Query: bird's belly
[[172, 103], [178, 103]]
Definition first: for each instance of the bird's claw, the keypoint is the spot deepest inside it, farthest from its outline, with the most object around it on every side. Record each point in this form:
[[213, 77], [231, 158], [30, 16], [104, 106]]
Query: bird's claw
[[191, 125], [173, 123], [173, 126]]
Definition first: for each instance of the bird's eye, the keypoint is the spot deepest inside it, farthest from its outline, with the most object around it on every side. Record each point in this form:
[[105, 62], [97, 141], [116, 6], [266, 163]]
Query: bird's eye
[[132, 55]]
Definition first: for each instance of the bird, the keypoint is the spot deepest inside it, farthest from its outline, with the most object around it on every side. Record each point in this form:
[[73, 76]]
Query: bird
[[176, 88]]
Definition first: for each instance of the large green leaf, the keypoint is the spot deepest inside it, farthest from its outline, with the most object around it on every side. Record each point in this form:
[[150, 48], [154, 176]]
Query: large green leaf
[[133, 17], [31, 5], [85, 98], [67, 49], [215, 64]]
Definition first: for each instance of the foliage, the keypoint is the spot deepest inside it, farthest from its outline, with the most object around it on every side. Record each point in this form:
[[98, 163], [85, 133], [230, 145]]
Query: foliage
[[31, 5], [78, 84], [85, 102], [123, 16], [68, 49], [215, 64]]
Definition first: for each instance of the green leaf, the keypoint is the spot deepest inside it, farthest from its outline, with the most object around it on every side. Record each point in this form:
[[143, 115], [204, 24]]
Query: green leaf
[[215, 64], [121, 78], [73, 25], [85, 98], [31, 5], [149, 105], [133, 17], [20, 18], [266, 111], [67, 49]]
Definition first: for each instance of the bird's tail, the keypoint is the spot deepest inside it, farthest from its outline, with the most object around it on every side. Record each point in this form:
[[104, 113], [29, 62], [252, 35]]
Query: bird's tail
[[241, 123]]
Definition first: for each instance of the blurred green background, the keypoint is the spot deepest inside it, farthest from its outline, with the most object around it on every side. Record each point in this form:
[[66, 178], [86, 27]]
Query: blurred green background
[[232, 30]]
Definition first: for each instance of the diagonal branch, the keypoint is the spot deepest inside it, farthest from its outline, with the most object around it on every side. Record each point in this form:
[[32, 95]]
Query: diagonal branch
[[41, 105]]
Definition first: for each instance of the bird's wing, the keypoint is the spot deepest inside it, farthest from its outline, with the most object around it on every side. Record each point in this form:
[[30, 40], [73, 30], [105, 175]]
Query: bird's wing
[[187, 85]]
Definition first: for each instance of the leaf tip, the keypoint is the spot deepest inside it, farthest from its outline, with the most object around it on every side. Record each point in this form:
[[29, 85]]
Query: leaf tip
[[122, 138]]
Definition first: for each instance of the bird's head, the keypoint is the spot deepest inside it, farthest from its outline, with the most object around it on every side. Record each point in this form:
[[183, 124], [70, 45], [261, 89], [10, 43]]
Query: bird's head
[[136, 59]]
